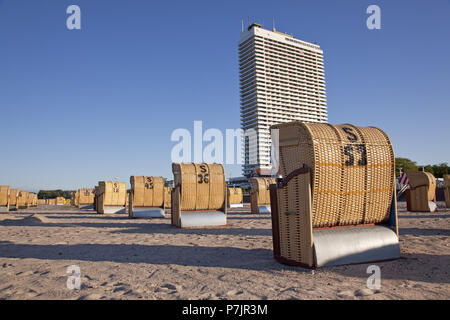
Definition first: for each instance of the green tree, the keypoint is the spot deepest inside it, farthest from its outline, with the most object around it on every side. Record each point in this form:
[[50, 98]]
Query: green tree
[[404, 164], [429, 169], [440, 169]]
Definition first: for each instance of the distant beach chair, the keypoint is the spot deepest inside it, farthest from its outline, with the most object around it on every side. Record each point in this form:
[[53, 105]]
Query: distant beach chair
[[111, 197], [4, 198], [260, 194], [22, 200], [13, 195], [447, 190], [60, 201], [84, 199], [34, 200], [421, 195], [336, 202], [146, 198], [235, 197], [199, 195], [167, 197]]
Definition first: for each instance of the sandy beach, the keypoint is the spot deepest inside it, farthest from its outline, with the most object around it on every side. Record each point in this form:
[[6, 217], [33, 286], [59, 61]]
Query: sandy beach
[[123, 258]]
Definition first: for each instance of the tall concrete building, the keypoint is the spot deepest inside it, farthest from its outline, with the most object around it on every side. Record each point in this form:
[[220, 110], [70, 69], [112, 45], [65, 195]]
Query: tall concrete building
[[281, 80]]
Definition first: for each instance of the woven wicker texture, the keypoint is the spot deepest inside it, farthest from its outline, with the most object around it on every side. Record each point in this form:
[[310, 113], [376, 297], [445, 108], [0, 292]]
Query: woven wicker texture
[[13, 194], [22, 199], [447, 190], [260, 194], [422, 190], [84, 197], [114, 193], [167, 197], [419, 179], [76, 199], [147, 191], [353, 173], [4, 195], [202, 185], [295, 231], [32, 199], [235, 195]]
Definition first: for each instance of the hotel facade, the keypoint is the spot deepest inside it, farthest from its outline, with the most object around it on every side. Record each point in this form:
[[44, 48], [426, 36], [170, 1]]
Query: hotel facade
[[281, 80]]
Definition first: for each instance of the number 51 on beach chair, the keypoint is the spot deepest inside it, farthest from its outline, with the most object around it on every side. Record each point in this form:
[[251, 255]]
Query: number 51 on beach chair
[[336, 201]]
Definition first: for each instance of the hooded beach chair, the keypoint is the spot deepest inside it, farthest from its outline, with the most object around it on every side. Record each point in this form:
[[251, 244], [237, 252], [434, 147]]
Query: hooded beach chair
[[335, 203], [260, 194], [235, 197], [421, 194], [111, 197], [199, 195], [60, 201], [13, 194], [4, 198], [167, 197], [146, 198], [447, 190], [22, 200], [84, 199], [34, 200]]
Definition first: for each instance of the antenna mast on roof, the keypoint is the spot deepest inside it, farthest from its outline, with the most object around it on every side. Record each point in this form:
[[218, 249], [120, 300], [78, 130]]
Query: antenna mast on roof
[[273, 24], [242, 25]]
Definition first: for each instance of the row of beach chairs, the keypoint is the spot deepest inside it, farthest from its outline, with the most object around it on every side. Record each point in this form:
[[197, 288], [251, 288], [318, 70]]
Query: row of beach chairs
[[15, 199], [335, 203]]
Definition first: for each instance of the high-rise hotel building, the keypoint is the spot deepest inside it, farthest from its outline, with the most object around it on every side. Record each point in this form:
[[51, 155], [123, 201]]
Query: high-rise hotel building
[[281, 80]]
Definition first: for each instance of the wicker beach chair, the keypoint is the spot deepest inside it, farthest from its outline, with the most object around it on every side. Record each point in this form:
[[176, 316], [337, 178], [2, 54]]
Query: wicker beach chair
[[111, 197], [235, 198], [421, 195], [84, 199], [32, 199], [199, 195], [447, 190], [13, 195], [146, 198], [22, 200], [335, 203], [167, 197], [4, 198], [260, 194]]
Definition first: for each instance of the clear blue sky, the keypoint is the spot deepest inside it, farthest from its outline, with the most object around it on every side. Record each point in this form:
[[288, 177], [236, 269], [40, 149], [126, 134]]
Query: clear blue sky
[[86, 105]]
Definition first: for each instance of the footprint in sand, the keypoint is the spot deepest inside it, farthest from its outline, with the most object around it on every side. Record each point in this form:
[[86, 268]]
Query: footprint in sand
[[234, 292], [119, 289], [94, 296], [346, 294], [364, 292], [349, 294]]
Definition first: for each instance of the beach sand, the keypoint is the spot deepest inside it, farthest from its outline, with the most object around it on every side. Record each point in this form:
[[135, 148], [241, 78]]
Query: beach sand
[[123, 258]]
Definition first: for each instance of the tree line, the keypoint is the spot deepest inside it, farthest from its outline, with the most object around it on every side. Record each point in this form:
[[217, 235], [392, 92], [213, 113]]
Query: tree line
[[437, 170], [404, 164], [52, 194]]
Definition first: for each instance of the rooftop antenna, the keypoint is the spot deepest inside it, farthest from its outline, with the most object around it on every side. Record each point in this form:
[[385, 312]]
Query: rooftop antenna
[[242, 25], [273, 24]]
